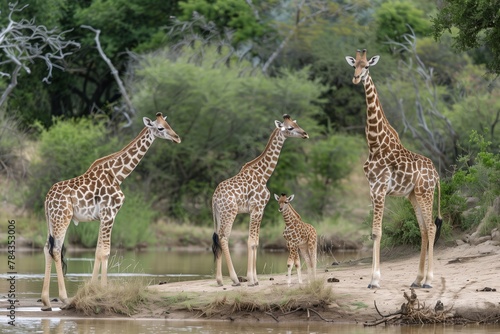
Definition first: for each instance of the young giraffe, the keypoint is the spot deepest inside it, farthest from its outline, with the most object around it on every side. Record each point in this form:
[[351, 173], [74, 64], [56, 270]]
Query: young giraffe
[[393, 170], [299, 236], [246, 192], [95, 195]]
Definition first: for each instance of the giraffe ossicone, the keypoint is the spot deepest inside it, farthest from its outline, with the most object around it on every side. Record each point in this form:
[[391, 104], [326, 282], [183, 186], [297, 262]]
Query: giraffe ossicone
[[393, 170], [94, 195], [301, 239], [247, 192]]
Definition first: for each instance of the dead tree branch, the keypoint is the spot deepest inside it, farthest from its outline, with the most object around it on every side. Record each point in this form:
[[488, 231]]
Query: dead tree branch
[[23, 42], [114, 71], [433, 130]]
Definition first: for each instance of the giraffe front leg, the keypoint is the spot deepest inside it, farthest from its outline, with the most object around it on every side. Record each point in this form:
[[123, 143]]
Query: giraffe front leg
[[298, 267], [103, 250], [289, 265], [252, 246], [378, 211]]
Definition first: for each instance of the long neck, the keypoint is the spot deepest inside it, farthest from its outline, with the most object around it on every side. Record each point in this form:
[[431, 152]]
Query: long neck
[[266, 162], [290, 216], [378, 130], [123, 162]]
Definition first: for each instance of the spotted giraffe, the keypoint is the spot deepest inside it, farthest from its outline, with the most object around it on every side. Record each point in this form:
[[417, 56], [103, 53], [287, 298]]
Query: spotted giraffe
[[299, 236], [94, 195], [246, 192], [393, 170]]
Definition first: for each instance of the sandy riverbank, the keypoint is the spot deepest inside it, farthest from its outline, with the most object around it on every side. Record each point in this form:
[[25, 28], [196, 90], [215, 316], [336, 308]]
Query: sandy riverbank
[[461, 275]]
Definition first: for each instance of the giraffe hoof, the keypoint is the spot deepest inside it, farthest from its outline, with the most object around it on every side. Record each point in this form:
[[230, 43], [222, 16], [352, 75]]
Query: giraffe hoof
[[46, 308], [426, 286], [415, 285], [373, 286]]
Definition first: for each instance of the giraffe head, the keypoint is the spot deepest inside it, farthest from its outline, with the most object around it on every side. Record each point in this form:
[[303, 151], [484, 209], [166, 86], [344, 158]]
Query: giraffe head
[[361, 65], [290, 128], [283, 201], [161, 129]]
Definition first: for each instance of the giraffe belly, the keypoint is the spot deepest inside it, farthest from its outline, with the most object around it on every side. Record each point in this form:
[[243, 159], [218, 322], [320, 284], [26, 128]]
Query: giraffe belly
[[86, 214], [399, 188]]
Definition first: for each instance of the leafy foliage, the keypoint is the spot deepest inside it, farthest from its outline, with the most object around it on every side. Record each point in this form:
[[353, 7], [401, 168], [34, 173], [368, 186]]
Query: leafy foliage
[[211, 108], [395, 18], [473, 24], [233, 14]]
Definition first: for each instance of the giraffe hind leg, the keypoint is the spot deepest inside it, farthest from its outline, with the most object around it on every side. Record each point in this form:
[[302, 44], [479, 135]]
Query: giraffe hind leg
[[63, 251], [217, 250], [46, 281]]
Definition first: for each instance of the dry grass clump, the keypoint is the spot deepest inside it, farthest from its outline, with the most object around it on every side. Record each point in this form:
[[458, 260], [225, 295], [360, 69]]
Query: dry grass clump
[[120, 296], [282, 298]]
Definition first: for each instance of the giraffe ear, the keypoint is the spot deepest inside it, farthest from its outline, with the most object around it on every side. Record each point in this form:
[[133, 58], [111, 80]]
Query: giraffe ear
[[147, 122], [373, 60], [350, 60], [279, 124], [276, 197], [290, 198]]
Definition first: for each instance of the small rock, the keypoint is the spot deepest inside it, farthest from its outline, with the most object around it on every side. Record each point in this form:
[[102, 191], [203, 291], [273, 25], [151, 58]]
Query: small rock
[[459, 242], [332, 280], [480, 240]]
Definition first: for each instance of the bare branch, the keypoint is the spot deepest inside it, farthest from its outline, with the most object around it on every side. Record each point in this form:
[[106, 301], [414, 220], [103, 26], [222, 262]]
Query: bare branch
[[432, 126], [300, 20], [113, 69], [23, 42]]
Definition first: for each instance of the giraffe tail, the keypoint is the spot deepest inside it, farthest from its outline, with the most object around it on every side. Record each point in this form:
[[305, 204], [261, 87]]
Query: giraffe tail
[[216, 247], [439, 219], [63, 251]]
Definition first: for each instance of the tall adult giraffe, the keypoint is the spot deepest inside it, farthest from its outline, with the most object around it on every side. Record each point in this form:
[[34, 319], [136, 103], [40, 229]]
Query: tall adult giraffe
[[246, 192], [94, 195], [393, 170]]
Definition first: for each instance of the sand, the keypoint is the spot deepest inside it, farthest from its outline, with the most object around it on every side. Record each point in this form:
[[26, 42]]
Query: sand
[[464, 279]]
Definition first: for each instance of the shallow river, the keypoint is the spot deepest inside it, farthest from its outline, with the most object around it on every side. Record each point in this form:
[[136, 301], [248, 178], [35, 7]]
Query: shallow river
[[169, 266]]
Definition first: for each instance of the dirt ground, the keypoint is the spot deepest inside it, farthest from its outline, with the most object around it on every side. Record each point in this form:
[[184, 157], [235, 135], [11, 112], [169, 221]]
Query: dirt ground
[[462, 276]]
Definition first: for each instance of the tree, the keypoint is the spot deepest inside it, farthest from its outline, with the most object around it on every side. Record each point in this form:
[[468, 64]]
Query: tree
[[226, 116], [395, 18], [473, 25], [23, 42]]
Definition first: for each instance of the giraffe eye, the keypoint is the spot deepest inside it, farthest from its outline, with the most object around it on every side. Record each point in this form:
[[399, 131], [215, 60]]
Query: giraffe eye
[[161, 129], [366, 66], [290, 128]]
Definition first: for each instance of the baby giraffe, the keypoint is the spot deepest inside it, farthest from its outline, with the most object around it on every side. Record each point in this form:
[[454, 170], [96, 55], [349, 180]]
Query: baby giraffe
[[299, 236]]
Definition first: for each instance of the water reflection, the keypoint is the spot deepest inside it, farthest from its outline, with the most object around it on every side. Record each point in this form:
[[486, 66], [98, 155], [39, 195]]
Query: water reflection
[[146, 326], [154, 265]]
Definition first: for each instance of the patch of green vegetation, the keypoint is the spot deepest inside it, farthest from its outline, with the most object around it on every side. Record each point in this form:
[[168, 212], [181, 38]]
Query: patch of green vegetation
[[359, 305]]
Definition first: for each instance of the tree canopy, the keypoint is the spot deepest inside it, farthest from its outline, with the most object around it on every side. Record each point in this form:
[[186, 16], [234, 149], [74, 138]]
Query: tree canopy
[[473, 25]]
